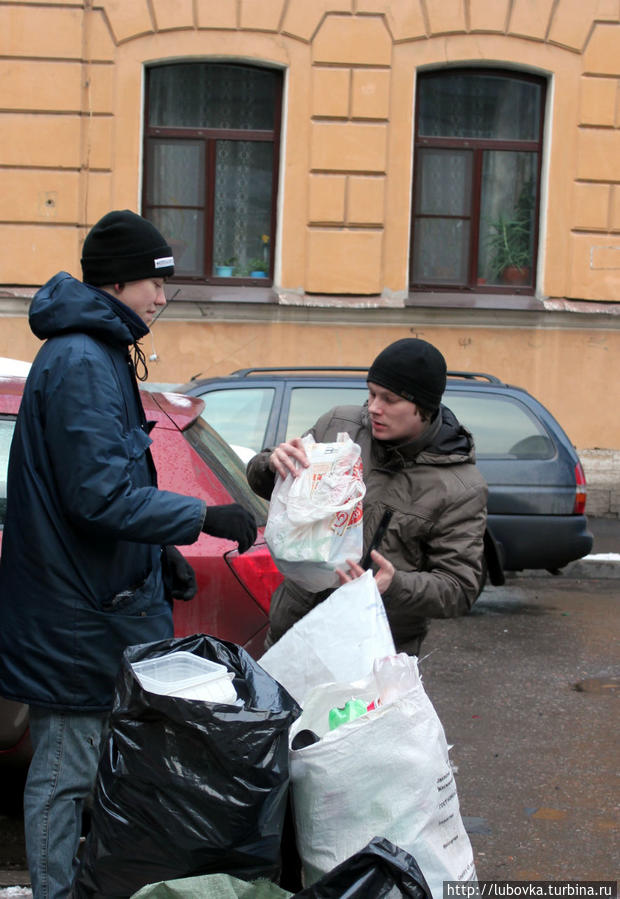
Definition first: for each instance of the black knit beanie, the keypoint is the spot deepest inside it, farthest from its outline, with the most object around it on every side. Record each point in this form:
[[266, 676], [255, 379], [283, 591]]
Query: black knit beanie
[[413, 369], [123, 246]]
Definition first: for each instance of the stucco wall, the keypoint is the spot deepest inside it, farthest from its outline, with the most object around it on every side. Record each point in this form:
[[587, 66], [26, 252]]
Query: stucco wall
[[574, 371], [71, 135], [71, 146]]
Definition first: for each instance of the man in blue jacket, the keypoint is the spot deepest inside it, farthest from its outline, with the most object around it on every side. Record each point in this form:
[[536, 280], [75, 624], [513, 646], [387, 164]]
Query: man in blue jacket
[[86, 527]]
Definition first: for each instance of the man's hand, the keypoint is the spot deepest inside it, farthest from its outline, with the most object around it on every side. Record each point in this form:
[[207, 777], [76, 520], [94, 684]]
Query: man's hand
[[232, 522], [178, 574], [383, 575], [288, 457]]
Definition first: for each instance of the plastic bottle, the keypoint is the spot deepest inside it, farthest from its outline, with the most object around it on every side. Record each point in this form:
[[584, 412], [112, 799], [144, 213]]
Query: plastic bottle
[[351, 710]]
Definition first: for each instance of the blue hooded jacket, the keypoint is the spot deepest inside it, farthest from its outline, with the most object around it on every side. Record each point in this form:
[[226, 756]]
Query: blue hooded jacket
[[80, 573]]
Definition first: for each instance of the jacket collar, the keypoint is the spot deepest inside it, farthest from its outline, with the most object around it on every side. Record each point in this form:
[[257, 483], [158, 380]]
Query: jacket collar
[[444, 440]]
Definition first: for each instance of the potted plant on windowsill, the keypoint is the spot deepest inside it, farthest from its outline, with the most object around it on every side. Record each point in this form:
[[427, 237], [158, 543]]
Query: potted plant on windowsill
[[509, 242], [257, 268], [226, 268], [509, 250]]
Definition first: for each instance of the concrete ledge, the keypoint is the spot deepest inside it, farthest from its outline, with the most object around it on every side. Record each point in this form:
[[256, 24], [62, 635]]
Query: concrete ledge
[[14, 878], [602, 565], [602, 471]]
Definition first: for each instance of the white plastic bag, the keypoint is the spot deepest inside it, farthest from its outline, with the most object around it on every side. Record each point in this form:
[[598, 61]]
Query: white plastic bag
[[386, 773], [338, 640], [315, 520]]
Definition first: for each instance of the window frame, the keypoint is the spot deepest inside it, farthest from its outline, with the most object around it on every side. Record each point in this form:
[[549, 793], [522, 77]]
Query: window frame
[[478, 146], [209, 136]]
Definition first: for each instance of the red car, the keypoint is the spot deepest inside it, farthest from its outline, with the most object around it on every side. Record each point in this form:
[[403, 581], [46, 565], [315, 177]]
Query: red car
[[234, 590]]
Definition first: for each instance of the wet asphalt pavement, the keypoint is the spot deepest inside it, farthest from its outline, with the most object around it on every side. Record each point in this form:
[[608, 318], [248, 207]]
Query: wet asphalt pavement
[[527, 689]]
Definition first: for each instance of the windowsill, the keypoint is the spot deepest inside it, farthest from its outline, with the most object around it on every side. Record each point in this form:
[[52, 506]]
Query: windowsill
[[242, 293], [196, 301], [472, 300], [220, 293]]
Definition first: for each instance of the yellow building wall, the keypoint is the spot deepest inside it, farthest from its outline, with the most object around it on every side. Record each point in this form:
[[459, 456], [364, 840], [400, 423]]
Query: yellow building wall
[[70, 144], [575, 372], [71, 149]]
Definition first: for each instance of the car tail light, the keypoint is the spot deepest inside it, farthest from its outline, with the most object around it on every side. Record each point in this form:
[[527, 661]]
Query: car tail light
[[257, 572], [580, 491]]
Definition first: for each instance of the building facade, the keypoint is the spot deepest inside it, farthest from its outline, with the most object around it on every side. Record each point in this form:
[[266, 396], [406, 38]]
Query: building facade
[[333, 175]]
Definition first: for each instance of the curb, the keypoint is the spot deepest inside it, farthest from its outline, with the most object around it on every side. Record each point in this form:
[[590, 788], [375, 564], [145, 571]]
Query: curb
[[603, 565]]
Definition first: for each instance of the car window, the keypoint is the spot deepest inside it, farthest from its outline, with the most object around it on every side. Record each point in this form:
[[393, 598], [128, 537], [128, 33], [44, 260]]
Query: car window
[[501, 426], [227, 467], [7, 426], [239, 415], [307, 404]]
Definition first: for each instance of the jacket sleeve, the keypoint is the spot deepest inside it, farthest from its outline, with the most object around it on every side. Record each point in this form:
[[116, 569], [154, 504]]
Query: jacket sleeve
[[454, 552], [100, 469]]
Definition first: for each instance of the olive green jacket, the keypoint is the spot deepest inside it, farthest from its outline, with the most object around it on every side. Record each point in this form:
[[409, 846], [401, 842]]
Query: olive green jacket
[[435, 537]]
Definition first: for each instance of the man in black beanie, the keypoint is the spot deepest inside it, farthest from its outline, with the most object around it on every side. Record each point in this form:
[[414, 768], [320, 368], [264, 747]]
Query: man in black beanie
[[89, 564], [420, 476]]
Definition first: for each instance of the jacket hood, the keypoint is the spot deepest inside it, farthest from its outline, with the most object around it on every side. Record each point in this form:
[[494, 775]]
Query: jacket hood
[[65, 304], [452, 437], [445, 442]]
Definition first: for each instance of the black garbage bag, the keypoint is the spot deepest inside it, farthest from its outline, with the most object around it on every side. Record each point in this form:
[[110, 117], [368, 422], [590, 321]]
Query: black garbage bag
[[380, 870], [187, 787]]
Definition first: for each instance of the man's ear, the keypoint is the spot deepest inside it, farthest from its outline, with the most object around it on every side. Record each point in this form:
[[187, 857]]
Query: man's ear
[[114, 289]]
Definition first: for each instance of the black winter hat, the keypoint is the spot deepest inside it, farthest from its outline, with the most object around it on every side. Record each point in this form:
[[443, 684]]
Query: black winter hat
[[413, 369], [123, 246]]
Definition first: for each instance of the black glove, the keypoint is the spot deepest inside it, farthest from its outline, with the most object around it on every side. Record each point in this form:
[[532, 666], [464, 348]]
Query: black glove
[[232, 522], [178, 575]]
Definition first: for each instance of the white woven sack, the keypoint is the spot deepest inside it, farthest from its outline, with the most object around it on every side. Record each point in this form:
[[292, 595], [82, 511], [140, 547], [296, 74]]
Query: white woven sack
[[384, 774]]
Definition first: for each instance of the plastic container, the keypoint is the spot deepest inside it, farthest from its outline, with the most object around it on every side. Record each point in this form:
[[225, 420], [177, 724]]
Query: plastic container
[[187, 676]]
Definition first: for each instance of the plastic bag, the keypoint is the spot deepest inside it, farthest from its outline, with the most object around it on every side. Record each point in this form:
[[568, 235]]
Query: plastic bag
[[315, 520], [385, 773], [379, 871], [338, 640], [212, 886], [186, 786]]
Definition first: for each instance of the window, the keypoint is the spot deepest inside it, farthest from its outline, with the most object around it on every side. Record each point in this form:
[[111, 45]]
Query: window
[[477, 165], [309, 403], [502, 427], [240, 415], [211, 167], [226, 466]]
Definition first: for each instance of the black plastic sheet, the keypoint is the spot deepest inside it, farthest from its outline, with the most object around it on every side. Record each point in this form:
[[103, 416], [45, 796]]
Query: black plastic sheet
[[380, 870], [186, 787]]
